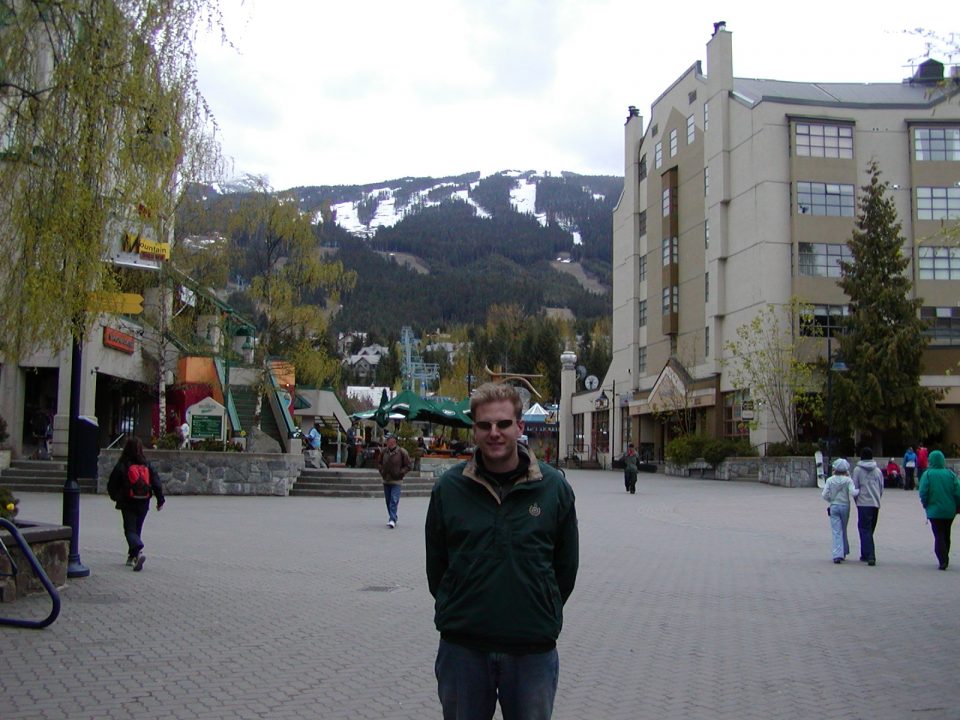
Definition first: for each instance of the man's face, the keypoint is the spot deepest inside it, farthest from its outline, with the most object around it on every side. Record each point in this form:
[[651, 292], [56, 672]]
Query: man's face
[[391, 443], [498, 445]]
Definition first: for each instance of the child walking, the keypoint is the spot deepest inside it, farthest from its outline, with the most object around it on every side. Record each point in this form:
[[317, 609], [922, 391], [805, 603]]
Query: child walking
[[839, 492]]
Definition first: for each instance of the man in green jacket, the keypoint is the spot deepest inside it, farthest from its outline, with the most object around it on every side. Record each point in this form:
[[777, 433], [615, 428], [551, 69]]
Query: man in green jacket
[[940, 497], [502, 555]]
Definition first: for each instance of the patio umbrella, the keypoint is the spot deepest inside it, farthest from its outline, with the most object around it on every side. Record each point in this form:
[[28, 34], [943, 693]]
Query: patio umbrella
[[381, 414]]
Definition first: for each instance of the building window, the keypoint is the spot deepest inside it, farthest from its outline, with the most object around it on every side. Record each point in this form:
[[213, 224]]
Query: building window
[[673, 345], [642, 313], [944, 325], [665, 201], [706, 181], [643, 167], [829, 318], [706, 342], [601, 431], [655, 130], [673, 142], [691, 130], [642, 359], [938, 203], [937, 143], [577, 433], [671, 299], [706, 116], [642, 273], [822, 259], [706, 233], [939, 263], [691, 97], [642, 223], [733, 423], [668, 251], [826, 199], [825, 141], [658, 155], [706, 286]]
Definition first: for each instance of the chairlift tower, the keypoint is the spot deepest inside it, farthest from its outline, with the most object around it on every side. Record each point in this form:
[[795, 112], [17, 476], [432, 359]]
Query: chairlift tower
[[413, 369]]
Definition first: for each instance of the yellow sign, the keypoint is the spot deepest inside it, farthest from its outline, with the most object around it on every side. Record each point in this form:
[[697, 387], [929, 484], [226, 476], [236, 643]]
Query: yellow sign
[[119, 303], [145, 248]]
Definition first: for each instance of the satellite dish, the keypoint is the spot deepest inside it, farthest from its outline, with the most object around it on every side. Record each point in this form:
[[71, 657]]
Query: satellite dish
[[591, 382], [581, 372]]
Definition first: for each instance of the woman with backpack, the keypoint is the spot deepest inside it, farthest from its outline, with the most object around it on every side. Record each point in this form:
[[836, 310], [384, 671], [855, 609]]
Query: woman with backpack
[[132, 482]]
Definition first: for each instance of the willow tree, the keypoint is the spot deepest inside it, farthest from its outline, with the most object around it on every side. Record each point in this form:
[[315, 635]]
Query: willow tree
[[101, 126], [294, 289]]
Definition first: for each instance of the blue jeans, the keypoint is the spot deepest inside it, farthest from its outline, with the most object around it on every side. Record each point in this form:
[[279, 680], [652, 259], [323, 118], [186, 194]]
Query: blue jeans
[[866, 524], [391, 493], [469, 683], [839, 515], [133, 517]]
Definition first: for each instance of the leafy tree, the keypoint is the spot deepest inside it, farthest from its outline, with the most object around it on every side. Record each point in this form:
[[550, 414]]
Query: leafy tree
[[281, 258], [102, 124], [769, 360], [884, 339]]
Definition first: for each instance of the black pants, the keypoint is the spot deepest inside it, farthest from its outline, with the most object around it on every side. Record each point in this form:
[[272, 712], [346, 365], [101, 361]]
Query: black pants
[[941, 539], [133, 517], [866, 524], [630, 481], [908, 478]]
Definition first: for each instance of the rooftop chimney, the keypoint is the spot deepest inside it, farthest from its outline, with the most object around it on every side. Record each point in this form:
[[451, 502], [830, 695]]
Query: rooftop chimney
[[719, 25]]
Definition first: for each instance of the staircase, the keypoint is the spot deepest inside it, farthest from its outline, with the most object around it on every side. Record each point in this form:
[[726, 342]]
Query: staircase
[[353, 482], [245, 401], [41, 476]]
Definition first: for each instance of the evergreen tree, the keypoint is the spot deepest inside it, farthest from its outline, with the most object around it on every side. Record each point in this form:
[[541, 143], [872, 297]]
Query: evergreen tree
[[884, 339]]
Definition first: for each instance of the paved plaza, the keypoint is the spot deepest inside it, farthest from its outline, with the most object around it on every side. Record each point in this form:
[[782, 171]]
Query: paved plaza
[[695, 599]]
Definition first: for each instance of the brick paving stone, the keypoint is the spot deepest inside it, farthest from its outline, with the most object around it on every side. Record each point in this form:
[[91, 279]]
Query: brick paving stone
[[696, 599]]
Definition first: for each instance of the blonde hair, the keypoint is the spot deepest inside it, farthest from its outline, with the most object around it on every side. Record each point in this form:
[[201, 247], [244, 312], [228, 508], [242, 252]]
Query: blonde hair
[[496, 392]]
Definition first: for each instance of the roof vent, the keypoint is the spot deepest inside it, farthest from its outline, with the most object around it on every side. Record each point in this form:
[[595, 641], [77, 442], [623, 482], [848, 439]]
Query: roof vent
[[719, 25], [930, 72]]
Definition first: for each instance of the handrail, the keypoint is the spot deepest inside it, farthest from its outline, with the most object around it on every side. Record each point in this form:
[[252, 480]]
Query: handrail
[[38, 570], [116, 440], [289, 429]]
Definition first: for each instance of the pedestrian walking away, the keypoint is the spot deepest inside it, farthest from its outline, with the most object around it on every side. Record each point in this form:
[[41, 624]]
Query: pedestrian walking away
[[631, 465], [909, 468], [868, 481], [940, 497], [394, 464], [502, 550], [923, 459], [838, 490], [133, 481]]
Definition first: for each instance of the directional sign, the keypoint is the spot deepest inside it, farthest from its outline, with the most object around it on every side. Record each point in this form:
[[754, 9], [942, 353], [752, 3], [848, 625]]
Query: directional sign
[[119, 303]]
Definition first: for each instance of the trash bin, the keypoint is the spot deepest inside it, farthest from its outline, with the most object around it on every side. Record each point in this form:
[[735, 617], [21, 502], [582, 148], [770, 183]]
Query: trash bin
[[88, 447]]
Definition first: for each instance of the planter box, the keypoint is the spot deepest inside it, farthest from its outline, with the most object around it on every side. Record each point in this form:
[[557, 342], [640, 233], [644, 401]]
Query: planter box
[[51, 546]]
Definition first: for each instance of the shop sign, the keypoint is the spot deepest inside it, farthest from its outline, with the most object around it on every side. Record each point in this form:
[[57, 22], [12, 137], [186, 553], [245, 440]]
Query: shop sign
[[113, 338]]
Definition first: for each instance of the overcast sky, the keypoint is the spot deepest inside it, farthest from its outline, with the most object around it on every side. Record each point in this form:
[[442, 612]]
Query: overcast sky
[[356, 91]]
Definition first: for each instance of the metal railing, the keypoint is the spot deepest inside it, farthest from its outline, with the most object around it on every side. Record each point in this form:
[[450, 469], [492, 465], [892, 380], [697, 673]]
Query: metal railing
[[37, 569]]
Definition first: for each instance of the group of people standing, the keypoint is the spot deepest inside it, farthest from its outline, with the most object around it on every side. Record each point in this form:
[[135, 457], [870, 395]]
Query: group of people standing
[[939, 495]]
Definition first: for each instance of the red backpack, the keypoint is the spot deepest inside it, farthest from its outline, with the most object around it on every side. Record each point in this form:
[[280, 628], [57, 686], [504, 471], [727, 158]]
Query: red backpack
[[138, 482]]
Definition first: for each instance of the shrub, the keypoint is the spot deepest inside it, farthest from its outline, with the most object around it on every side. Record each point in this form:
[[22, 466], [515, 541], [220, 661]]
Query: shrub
[[8, 504], [684, 449], [170, 441], [781, 449]]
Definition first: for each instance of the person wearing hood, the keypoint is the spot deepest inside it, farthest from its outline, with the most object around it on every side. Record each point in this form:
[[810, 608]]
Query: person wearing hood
[[940, 497], [909, 468], [838, 491], [868, 481]]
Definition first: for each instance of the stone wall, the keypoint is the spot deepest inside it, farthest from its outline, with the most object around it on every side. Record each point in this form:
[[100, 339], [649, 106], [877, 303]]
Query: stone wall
[[50, 544], [739, 468], [788, 471], [193, 472]]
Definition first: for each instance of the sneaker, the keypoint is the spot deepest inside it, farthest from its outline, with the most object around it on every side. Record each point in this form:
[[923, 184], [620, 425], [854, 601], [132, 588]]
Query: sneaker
[[129, 561], [138, 563], [392, 524]]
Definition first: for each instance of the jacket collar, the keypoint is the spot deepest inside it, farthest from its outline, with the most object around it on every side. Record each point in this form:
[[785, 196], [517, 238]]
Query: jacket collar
[[528, 469]]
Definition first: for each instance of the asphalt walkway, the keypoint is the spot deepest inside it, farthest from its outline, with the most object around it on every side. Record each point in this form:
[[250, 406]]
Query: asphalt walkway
[[696, 599]]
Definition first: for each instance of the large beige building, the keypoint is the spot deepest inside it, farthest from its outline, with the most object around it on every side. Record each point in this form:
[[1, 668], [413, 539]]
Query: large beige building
[[739, 193]]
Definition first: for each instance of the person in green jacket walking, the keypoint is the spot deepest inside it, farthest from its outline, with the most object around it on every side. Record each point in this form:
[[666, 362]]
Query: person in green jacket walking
[[631, 465], [502, 552], [940, 497]]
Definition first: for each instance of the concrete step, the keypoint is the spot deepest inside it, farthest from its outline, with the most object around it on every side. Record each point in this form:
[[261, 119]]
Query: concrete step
[[41, 476], [296, 491], [354, 482]]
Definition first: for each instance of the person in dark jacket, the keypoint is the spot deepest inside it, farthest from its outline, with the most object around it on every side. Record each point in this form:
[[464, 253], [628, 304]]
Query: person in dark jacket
[[394, 464], [502, 552], [940, 497], [631, 465], [134, 511]]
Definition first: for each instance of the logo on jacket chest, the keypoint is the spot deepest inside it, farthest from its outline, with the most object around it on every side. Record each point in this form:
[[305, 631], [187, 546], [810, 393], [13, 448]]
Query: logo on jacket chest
[[534, 510]]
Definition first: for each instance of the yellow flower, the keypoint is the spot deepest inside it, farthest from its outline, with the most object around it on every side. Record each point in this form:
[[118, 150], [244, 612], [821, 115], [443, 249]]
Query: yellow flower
[[11, 507]]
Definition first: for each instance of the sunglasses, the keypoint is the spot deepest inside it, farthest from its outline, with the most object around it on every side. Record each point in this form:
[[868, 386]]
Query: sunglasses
[[486, 425]]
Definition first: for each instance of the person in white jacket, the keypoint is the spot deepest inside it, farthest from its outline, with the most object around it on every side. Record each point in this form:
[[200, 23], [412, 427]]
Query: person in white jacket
[[868, 480], [839, 492]]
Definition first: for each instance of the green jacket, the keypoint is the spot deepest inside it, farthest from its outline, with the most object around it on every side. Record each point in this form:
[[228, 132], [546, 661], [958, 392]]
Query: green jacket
[[501, 570], [939, 489]]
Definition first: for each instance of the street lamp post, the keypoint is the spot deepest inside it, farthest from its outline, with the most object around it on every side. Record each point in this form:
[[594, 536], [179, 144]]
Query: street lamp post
[[832, 367]]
